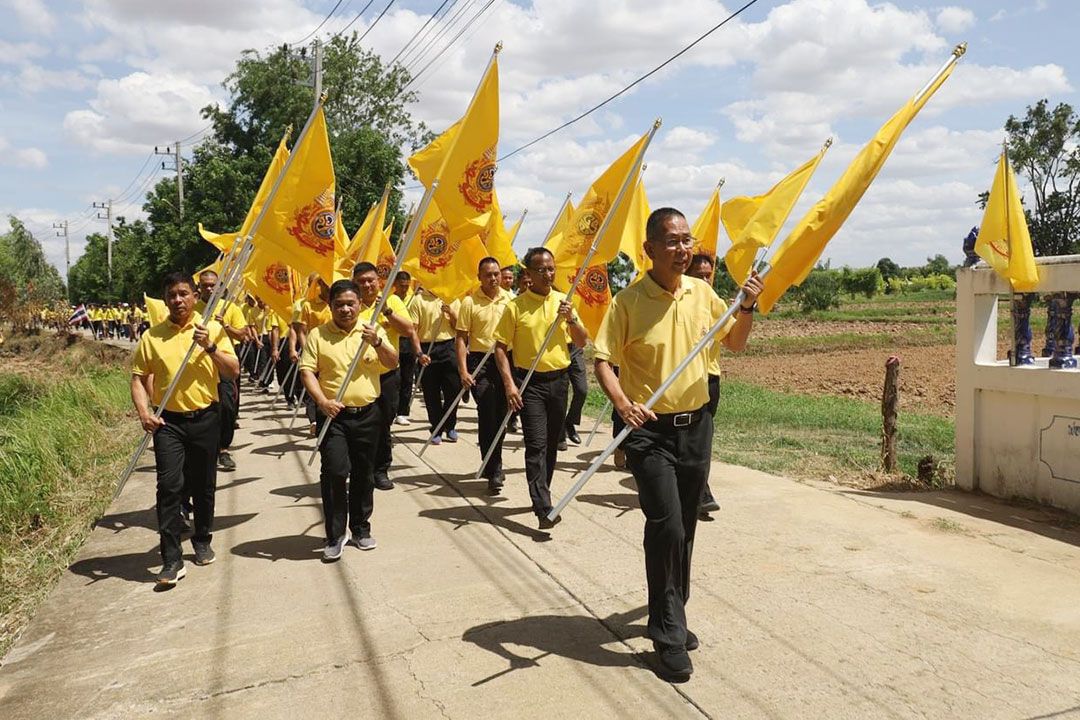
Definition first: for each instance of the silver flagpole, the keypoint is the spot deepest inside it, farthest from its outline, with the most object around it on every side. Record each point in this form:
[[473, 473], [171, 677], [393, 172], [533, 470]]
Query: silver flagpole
[[573, 288], [596, 425], [957, 53], [234, 265], [281, 386], [434, 337], [270, 366], [558, 216], [387, 289], [454, 404]]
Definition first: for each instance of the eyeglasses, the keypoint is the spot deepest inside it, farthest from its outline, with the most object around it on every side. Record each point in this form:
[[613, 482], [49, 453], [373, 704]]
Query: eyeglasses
[[671, 243], [543, 271]]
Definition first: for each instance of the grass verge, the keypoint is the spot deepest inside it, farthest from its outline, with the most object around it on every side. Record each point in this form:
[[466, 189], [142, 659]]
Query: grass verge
[[63, 440], [846, 341], [813, 436]]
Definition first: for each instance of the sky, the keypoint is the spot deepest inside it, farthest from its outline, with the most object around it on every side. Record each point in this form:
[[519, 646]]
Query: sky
[[88, 88]]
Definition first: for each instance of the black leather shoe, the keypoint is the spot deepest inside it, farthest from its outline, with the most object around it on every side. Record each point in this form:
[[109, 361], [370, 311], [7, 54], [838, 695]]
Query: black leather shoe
[[674, 662], [546, 524], [572, 436], [383, 482], [692, 641]]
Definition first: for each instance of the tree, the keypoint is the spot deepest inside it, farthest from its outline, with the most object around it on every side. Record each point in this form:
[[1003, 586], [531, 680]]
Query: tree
[[1045, 145], [620, 271], [937, 265], [28, 282], [888, 269]]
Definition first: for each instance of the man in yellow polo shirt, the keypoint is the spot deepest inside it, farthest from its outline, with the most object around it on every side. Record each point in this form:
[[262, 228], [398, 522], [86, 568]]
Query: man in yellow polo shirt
[[649, 329], [350, 441], [313, 313], [521, 330], [478, 317], [398, 327], [434, 320], [230, 317], [407, 353], [186, 436]]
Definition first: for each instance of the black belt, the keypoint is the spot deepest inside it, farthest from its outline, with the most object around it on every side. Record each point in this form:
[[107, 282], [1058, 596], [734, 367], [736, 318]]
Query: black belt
[[189, 414], [544, 375], [353, 410], [675, 420]]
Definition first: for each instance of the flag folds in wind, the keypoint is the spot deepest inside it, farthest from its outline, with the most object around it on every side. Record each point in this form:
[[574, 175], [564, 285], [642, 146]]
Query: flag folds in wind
[[441, 263], [1004, 241]]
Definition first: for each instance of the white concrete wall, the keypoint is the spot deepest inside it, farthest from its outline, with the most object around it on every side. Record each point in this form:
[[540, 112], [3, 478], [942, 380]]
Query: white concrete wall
[[1017, 428]]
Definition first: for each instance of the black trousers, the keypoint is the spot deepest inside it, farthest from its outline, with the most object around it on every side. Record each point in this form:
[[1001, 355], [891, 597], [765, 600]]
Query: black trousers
[[406, 375], [579, 387], [714, 401], [346, 477], [389, 389], [229, 409], [490, 400], [264, 362], [185, 452], [441, 385], [542, 422], [670, 466], [287, 378]]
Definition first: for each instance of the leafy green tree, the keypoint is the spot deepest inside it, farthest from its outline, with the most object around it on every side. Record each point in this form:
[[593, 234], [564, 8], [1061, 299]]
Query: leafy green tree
[[819, 291], [1045, 145], [27, 281], [862, 281], [937, 265], [620, 271], [888, 269]]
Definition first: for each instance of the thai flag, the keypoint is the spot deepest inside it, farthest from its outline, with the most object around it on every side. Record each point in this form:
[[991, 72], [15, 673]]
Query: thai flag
[[78, 316]]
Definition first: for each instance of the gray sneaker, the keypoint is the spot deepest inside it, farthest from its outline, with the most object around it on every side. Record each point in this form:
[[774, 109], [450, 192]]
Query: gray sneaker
[[365, 543], [333, 550], [172, 573], [204, 554]]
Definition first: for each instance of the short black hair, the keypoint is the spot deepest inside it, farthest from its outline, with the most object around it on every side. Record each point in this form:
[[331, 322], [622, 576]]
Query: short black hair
[[655, 224], [701, 258], [402, 275], [208, 271], [533, 252], [175, 278], [364, 267], [343, 286], [485, 261]]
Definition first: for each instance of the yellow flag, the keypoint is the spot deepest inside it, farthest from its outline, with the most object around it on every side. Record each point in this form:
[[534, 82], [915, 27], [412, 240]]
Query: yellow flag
[[442, 264], [156, 309], [593, 297], [706, 229], [633, 236], [555, 236], [753, 222], [222, 241], [270, 280], [301, 228], [368, 233], [498, 240], [802, 248], [571, 246], [281, 155], [1003, 239], [463, 160], [380, 253]]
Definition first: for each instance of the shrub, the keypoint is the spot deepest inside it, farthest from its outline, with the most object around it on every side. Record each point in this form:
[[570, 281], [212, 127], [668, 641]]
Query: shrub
[[819, 291], [862, 281]]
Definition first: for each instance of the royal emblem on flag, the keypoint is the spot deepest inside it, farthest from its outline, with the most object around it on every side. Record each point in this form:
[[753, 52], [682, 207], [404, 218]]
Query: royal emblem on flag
[[593, 288], [276, 277], [314, 224], [437, 249], [384, 266], [478, 182], [590, 216]]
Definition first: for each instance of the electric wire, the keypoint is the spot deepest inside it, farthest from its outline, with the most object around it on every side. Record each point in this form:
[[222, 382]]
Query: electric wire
[[319, 26]]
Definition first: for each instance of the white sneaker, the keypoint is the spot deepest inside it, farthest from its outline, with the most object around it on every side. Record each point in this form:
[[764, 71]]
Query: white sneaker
[[333, 550], [402, 420]]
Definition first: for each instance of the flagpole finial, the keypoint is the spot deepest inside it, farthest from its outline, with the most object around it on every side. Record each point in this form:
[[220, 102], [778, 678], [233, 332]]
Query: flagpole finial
[[828, 143], [322, 99], [498, 47], [721, 182], [288, 131], [960, 49], [658, 123]]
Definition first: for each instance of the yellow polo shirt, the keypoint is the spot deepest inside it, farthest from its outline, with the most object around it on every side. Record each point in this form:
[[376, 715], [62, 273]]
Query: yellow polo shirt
[[425, 311], [233, 316], [314, 313], [479, 316], [159, 353], [296, 309], [524, 326], [397, 307], [273, 320], [329, 351], [648, 331]]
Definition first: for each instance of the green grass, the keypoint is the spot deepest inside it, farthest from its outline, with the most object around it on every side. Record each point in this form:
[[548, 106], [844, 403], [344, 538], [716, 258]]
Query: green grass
[[806, 436], [62, 442], [932, 313], [933, 335]]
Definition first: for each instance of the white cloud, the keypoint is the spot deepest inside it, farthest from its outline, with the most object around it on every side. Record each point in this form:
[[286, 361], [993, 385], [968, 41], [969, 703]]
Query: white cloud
[[35, 79], [17, 53], [27, 157], [954, 19], [33, 16], [137, 111]]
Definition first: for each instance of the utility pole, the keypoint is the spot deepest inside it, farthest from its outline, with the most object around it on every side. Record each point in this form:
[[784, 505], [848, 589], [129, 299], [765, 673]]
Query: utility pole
[[107, 217], [63, 225], [318, 69], [316, 62], [178, 166]]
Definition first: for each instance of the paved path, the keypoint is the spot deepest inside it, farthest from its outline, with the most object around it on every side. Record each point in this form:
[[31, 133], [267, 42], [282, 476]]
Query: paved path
[[810, 602]]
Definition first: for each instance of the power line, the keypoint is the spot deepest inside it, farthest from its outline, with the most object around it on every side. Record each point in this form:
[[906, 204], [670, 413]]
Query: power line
[[451, 43], [319, 26], [422, 27], [357, 17], [197, 133], [636, 82], [424, 40], [443, 30], [372, 25]]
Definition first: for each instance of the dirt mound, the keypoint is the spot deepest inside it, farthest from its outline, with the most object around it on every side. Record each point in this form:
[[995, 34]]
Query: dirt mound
[[40, 351]]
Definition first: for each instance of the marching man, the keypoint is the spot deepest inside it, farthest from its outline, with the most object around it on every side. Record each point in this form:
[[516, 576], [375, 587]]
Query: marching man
[[649, 329], [187, 435]]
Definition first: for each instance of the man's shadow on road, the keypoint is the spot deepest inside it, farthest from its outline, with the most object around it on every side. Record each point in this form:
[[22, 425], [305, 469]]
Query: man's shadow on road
[[502, 517], [118, 522], [577, 637], [133, 567], [286, 547]]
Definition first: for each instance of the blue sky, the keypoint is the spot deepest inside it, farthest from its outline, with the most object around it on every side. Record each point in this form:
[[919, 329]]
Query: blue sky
[[88, 88]]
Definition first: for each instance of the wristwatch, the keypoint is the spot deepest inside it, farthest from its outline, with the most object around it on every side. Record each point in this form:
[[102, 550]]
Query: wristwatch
[[748, 310], [211, 349], [388, 311]]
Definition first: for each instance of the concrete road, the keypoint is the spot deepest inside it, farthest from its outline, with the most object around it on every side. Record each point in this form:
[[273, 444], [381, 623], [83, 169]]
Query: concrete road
[[810, 601]]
